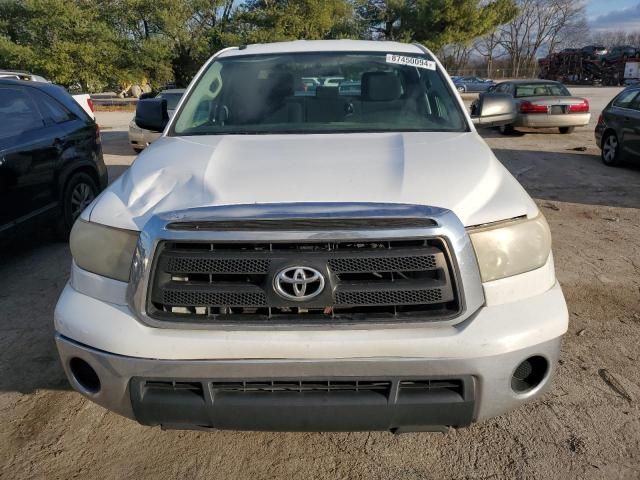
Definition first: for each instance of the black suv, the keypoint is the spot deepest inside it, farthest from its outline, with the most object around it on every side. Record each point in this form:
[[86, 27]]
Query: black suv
[[51, 164]]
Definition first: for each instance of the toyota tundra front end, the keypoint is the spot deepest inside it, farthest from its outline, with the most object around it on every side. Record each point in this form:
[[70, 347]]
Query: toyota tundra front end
[[289, 258]]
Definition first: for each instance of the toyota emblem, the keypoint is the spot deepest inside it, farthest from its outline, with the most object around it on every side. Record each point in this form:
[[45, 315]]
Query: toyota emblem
[[298, 283]]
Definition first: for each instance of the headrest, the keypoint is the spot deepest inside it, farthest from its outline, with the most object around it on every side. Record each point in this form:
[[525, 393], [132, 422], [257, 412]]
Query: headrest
[[326, 92], [540, 91], [380, 86], [279, 85]]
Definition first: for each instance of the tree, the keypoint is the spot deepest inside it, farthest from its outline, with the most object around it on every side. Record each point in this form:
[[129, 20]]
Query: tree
[[487, 47], [280, 20], [455, 56], [435, 23], [539, 24], [174, 36], [381, 19], [63, 40]]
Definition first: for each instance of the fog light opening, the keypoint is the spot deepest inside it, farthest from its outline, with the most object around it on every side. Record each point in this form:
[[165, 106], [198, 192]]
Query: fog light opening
[[529, 374], [85, 375]]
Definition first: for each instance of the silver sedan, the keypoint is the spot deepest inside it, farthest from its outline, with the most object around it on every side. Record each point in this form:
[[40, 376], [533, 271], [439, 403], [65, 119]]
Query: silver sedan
[[544, 104], [139, 138]]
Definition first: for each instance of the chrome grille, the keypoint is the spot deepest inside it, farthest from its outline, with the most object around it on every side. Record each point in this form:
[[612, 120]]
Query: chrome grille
[[365, 281]]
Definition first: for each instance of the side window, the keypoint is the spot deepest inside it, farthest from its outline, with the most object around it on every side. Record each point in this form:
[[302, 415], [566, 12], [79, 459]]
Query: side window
[[502, 88], [52, 110], [625, 98], [635, 103], [21, 111]]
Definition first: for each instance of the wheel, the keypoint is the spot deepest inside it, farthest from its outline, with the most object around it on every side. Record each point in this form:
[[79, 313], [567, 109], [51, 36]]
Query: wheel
[[506, 129], [137, 150], [462, 89], [610, 154], [565, 130], [79, 192]]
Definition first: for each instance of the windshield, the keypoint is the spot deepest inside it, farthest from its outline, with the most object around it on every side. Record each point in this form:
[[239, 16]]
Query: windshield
[[171, 98], [541, 90], [324, 92]]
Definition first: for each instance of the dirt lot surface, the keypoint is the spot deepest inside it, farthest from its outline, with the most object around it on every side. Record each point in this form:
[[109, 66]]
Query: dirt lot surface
[[588, 426]]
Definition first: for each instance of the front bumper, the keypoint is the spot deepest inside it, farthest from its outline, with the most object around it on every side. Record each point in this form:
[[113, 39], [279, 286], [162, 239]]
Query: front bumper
[[541, 120], [153, 391], [481, 352]]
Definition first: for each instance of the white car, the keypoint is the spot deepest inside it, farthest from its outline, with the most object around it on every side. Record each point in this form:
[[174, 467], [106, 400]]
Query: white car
[[286, 261]]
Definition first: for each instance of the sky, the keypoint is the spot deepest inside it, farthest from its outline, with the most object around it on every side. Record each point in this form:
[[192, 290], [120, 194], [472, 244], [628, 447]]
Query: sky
[[614, 14]]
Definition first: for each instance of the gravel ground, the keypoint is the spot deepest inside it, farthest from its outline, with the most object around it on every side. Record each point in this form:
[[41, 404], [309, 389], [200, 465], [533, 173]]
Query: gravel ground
[[587, 426]]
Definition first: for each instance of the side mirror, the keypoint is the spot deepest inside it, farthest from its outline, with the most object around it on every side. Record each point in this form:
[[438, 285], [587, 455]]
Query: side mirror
[[151, 114], [493, 109]]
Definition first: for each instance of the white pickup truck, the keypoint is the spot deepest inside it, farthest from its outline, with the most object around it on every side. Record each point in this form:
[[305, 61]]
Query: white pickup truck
[[303, 258]]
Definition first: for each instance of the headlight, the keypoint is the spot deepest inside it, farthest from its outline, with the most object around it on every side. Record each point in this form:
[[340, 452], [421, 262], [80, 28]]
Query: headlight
[[511, 248], [103, 250]]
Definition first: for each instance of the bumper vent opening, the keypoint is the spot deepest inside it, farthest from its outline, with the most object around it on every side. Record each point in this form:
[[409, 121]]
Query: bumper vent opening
[[456, 386], [302, 386], [529, 374], [85, 375], [296, 404]]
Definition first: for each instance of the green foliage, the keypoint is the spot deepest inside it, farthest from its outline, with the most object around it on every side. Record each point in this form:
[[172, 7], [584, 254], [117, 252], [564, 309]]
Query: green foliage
[[434, 22], [280, 20], [110, 43], [63, 40], [441, 22]]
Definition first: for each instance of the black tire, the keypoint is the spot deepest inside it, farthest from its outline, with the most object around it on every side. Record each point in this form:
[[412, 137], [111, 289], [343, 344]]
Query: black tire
[[462, 89], [610, 151], [137, 150], [79, 192], [506, 129], [566, 130]]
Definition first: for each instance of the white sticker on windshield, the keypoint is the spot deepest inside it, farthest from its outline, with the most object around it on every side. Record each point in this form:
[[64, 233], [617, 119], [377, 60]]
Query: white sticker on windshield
[[411, 61]]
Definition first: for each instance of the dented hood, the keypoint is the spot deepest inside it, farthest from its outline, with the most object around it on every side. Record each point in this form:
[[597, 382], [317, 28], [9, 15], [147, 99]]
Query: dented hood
[[456, 171]]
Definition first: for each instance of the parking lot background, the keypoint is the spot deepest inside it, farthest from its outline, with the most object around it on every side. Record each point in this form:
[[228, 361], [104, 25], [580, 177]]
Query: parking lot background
[[587, 426]]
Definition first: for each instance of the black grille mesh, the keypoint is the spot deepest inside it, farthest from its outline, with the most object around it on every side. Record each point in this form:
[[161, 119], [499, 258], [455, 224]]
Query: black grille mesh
[[193, 298], [181, 265], [382, 264], [389, 297]]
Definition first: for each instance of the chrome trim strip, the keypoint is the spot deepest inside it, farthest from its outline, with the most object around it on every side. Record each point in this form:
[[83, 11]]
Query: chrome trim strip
[[447, 227]]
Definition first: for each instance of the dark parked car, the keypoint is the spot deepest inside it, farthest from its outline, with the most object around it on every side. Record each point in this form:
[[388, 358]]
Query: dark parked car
[[472, 84], [621, 52], [51, 164], [618, 128]]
